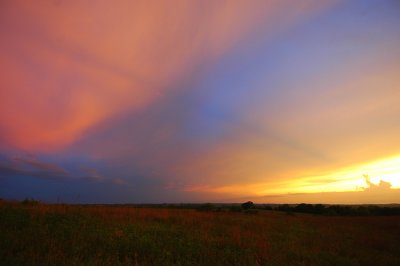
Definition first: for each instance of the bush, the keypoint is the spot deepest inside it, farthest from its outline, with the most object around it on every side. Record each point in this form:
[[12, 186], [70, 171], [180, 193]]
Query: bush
[[30, 202], [247, 205]]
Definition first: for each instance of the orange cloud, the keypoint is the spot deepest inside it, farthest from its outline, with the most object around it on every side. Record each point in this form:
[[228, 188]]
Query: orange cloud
[[67, 65], [328, 124], [382, 186]]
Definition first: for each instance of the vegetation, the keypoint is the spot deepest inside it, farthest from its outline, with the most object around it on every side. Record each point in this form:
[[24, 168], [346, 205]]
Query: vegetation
[[40, 234], [247, 205], [30, 201], [206, 207], [341, 210]]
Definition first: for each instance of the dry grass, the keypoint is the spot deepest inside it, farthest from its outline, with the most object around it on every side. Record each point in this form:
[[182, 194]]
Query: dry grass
[[101, 235]]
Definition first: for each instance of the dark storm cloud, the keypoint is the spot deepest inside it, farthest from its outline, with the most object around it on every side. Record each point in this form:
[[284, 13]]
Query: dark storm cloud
[[31, 166]]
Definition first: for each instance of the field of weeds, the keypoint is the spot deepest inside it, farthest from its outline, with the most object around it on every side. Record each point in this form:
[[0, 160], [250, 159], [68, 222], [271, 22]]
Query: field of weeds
[[43, 234]]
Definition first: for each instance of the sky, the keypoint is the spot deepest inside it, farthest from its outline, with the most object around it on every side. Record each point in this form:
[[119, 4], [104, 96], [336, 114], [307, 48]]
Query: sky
[[277, 101]]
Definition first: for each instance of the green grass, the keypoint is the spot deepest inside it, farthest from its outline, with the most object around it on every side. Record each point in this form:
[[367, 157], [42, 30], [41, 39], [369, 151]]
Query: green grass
[[75, 235]]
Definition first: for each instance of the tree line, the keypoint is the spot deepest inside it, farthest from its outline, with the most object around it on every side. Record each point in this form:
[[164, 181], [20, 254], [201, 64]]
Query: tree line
[[317, 209], [342, 210]]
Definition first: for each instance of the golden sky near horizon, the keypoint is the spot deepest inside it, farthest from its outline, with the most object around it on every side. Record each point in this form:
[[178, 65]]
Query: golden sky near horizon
[[200, 100]]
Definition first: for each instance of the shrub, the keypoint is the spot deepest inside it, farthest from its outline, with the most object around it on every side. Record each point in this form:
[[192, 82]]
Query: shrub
[[247, 205], [30, 202]]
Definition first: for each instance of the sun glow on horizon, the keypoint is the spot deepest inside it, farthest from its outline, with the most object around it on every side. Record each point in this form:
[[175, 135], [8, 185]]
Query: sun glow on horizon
[[199, 101], [347, 179]]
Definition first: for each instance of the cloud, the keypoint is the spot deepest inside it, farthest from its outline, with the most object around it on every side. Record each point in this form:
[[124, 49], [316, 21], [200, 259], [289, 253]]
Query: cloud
[[31, 166], [354, 197], [118, 181], [72, 65], [91, 174], [381, 187], [39, 166], [197, 96], [381, 193]]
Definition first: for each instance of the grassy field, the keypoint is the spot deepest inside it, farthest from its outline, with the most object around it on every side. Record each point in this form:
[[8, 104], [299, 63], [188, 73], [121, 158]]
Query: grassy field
[[99, 235]]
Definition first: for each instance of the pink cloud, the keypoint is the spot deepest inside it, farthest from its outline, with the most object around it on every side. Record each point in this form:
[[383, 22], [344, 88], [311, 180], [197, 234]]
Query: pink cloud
[[71, 65]]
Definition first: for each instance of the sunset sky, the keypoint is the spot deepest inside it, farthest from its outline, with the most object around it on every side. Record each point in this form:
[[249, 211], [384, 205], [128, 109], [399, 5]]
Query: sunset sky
[[279, 101]]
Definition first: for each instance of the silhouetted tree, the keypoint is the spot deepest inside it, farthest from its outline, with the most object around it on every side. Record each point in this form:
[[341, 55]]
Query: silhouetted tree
[[268, 207], [303, 207], [247, 205], [341, 210], [319, 209], [284, 208]]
